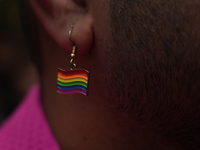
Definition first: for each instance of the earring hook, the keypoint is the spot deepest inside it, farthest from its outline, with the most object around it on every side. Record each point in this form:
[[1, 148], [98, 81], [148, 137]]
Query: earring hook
[[74, 47], [70, 33], [72, 64]]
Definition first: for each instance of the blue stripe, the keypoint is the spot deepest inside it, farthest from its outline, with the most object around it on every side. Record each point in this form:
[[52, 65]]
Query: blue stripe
[[72, 87]]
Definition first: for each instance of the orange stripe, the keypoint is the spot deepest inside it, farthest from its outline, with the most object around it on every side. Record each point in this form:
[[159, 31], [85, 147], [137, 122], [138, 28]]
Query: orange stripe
[[72, 76]]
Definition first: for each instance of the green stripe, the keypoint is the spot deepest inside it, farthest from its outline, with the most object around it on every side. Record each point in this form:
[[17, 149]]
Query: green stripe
[[72, 83]]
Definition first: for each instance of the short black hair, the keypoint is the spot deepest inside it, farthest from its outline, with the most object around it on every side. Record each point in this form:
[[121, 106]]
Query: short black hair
[[156, 78]]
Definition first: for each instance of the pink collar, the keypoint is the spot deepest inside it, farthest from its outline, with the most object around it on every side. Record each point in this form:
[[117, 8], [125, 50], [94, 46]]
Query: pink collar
[[27, 128]]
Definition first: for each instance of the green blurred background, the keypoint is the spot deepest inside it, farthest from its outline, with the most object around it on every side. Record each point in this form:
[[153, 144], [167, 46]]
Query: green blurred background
[[17, 72]]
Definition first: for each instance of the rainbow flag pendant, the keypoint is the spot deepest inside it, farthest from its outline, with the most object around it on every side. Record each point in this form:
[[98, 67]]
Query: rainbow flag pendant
[[73, 81]]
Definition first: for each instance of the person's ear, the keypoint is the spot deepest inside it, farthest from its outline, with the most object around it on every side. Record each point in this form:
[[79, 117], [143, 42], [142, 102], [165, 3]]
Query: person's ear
[[60, 16]]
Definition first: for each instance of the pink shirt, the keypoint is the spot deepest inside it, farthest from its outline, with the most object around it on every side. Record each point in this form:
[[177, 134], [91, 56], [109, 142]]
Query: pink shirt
[[27, 128]]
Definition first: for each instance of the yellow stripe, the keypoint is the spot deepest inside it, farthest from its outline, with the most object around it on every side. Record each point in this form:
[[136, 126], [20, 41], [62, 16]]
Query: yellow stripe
[[72, 80]]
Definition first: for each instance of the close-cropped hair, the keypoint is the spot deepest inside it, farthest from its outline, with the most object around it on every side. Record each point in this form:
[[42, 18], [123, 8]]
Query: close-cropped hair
[[157, 77]]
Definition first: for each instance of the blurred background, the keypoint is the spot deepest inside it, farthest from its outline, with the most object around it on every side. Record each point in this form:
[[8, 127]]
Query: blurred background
[[17, 72]]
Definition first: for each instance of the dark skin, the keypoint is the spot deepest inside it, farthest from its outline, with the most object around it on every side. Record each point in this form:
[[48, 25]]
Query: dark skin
[[144, 65]]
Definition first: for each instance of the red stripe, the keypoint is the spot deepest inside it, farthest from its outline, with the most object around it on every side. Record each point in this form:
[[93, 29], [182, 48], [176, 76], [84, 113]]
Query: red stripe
[[73, 72]]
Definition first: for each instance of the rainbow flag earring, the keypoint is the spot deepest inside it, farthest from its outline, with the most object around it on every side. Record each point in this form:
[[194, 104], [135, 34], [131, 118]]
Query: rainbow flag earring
[[75, 80]]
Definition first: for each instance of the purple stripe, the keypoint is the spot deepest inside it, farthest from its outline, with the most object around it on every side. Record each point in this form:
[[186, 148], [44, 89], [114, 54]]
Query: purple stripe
[[72, 91]]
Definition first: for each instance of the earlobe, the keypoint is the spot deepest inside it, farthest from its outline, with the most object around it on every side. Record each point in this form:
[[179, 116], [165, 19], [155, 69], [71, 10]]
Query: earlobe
[[82, 35], [58, 17]]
